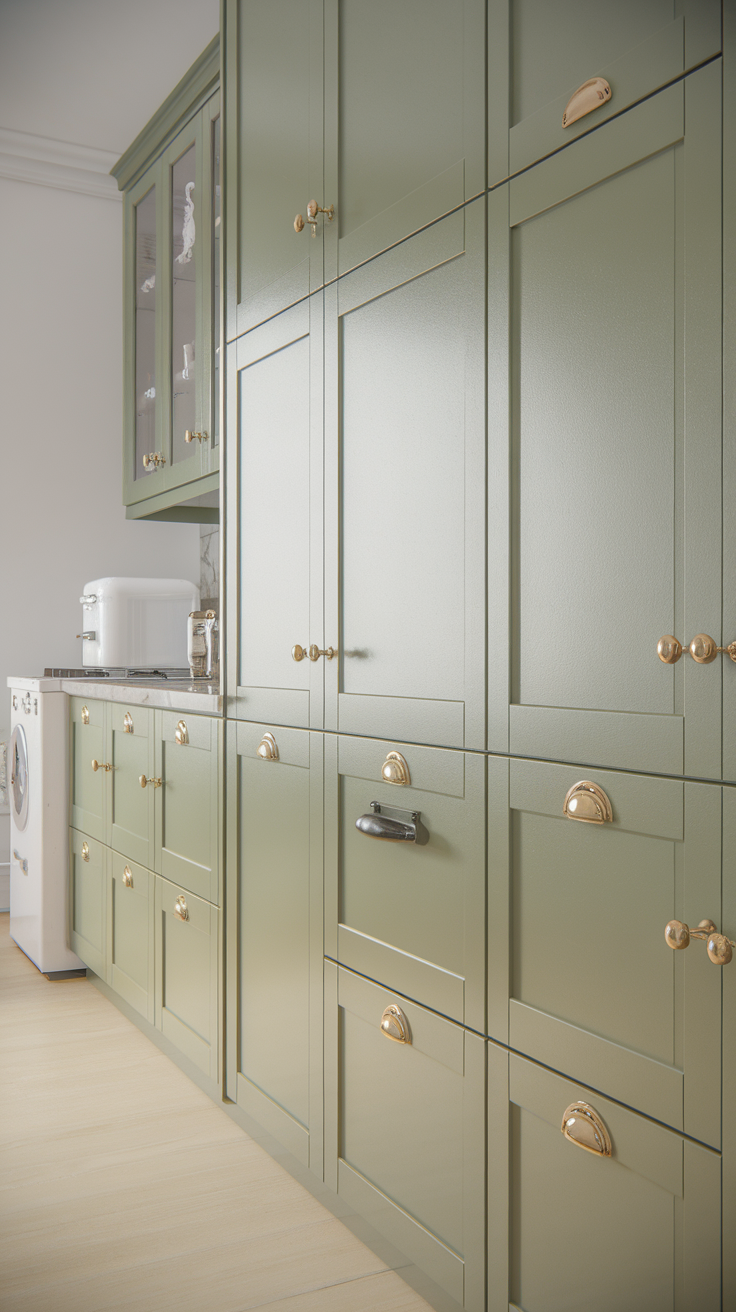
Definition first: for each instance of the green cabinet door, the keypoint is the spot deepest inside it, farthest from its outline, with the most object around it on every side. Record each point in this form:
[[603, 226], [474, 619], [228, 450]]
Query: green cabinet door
[[633, 1231], [274, 496], [186, 974], [404, 120], [274, 944], [410, 914], [90, 787], [274, 53], [130, 924], [555, 48], [130, 752], [609, 494], [577, 914], [404, 1130], [187, 813], [88, 901], [405, 490]]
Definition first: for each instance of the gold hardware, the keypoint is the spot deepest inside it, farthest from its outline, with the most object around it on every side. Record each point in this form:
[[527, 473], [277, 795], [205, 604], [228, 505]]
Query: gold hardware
[[85, 715], [395, 769], [299, 223], [189, 436], [587, 98], [182, 733], [180, 908], [395, 1025], [582, 1125], [128, 723], [100, 765], [143, 781], [85, 851], [719, 948], [703, 649], [154, 459], [586, 801], [267, 749], [298, 653], [315, 652], [313, 209], [128, 877]]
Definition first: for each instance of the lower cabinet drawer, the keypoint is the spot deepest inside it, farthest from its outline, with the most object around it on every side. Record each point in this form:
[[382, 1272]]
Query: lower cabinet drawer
[[405, 1129], [186, 944], [636, 1231], [130, 934], [88, 901]]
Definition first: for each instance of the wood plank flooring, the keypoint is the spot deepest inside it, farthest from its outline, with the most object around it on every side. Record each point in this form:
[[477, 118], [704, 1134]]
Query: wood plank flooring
[[123, 1186]]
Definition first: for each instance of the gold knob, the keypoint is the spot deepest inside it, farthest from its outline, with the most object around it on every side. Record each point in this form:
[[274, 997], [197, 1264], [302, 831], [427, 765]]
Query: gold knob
[[299, 223], [128, 877], [156, 783], [180, 908], [703, 649], [189, 436], [181, 734], [298, 653], [719, 948], [313, 209], [315, 652], [100, 765], [85, 851], [153, 460], [395, 1025]]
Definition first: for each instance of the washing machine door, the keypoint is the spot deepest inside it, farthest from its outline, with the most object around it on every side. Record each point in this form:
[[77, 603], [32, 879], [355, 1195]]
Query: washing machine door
[[19, 776]]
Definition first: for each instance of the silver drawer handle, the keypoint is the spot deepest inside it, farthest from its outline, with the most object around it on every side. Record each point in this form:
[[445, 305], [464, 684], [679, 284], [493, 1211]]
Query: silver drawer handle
[[386, 827], [180, 909]]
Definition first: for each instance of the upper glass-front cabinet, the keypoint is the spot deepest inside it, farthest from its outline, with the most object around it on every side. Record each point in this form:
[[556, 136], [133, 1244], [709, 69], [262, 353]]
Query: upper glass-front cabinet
[[172, 278]]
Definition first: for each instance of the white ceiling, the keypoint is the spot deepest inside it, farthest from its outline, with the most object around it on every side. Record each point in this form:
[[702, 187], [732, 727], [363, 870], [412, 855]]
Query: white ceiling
[[92, 72]]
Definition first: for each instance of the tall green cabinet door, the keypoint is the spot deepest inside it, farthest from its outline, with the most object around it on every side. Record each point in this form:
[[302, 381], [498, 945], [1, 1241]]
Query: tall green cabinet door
[[409, 913], [632, 1228], [405, 490], [88, 901], [627, 50], [90, 779], [186, 954], [274, 106], [729, 1051], [274, 943], [130, 926], [274, 508], [613, 486], [186, 805], [130, 751], [404, 120], [404, 1130], [577, 919]]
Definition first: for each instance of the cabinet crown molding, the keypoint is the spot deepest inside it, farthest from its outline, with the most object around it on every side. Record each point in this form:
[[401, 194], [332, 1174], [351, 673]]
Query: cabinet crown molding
[[65, 165]]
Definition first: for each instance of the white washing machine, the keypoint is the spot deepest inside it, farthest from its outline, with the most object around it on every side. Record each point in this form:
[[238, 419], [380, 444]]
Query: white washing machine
[[38, 779]]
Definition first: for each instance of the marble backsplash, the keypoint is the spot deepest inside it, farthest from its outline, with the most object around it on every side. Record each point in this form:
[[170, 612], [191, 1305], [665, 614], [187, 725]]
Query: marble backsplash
[[209, 567]]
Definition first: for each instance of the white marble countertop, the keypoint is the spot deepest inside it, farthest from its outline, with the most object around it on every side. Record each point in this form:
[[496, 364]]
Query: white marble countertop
[[195, 696]]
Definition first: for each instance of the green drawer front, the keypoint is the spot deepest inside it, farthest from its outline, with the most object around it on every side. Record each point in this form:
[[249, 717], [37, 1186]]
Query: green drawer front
[[637, 1230], [89, 787], [186, 974], [130, 934], [404, 1128], [593, 989], [132, 758], [187, 835], [408, 914], [88, 901]]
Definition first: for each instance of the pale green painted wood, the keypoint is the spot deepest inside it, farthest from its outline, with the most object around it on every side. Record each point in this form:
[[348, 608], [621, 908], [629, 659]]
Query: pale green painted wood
[[728, 926], [599, 289], [606, 1233], [498, 1178], [275, 542], [186, 975], [274, 1055], [131, 754], [209, 399], [88, 901], [274, 75], [405, 498], [404, 120], [186, 810], [89, 788], [394, 1100], [137, 484], [130, 926], [729, 390], [412, 916], [575, 985]]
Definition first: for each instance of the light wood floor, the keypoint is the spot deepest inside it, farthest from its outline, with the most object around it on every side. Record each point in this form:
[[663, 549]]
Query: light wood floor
[[123, 1186]]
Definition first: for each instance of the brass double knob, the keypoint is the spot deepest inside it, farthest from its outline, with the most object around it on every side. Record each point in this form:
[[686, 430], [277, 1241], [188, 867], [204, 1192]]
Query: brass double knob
[[189, 436], [313, 209], [153, 460], [299, 653], [719, 948], [100, 765], [155, 783], [703, 649]]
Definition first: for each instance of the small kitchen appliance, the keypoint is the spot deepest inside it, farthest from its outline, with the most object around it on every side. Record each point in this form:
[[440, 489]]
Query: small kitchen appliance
[[202, 643], [137, 624]]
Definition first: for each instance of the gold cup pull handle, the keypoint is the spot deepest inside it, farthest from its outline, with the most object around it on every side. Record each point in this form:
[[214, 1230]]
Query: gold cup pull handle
[[719, 948], [181, 734], [267, 749], [582, 1125], [703, 649], [395, 1025], [128, 877], [589, 96], [180, 908], [85, 851]]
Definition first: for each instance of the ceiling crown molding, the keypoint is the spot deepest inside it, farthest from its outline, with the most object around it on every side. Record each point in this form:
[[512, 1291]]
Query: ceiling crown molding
[[24, 157]]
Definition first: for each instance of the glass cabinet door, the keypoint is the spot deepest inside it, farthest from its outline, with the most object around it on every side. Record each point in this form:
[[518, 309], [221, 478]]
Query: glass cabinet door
[[182, 173], [214, 298]]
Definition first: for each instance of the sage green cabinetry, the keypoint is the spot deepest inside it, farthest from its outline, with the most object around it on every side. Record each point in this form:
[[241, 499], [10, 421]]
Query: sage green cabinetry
[[274, 933], [606, 259], [404, 1130], [130, 738], [171, 179], [360, 502], [130, 923], [186, 957], [88, 901], [88, 743], [379, 113], [410, 915], [187, 813], [636, 1230]]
